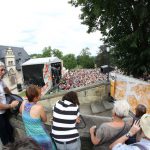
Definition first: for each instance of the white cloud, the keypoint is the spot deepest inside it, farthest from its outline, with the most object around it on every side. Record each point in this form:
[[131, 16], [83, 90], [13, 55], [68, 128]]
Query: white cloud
[[35, 24]]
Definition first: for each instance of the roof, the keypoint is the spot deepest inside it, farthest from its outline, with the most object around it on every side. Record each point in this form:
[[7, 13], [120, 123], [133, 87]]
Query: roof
[[41, 61], [19, 52]]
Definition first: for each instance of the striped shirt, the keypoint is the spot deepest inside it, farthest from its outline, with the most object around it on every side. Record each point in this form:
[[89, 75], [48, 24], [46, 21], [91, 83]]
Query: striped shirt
[[65, 114]]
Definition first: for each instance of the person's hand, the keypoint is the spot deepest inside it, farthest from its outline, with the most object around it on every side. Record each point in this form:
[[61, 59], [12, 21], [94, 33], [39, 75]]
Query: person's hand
[[92, 129], [78, 120], [135, 128], [14, 104]]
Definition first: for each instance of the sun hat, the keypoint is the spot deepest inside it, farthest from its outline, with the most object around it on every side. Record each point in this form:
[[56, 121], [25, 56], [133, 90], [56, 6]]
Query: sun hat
[[145, 124]]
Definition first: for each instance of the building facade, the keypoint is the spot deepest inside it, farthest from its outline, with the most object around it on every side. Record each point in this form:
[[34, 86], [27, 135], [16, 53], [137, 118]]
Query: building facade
[[13, 57]]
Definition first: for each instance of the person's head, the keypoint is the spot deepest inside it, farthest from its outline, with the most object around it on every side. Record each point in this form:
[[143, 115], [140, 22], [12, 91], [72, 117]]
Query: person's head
[[2, 70], [121, 108], [145, 125], [24, 144], [140, 110], [33, 93], [71, 97]]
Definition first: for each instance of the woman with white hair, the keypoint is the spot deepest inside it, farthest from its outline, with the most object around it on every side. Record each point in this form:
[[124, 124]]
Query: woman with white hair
[[6, 130], [108, 132]]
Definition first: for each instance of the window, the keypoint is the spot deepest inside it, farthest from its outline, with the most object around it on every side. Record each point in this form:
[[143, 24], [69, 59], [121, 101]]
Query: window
[[10, 63]]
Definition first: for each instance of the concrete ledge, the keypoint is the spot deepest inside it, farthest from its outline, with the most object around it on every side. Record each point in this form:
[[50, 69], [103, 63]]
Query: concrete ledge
[[79, 89]]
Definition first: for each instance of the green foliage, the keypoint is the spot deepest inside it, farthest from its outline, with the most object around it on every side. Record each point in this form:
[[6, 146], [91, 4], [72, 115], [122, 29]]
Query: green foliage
[[47, 52], [36, 56], [69, 61], [85, 60], [101, 59], [57, 53], [22, 94], [125, 26]]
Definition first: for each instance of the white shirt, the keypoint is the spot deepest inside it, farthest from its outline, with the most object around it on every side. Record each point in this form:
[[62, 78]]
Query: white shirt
[[143, 142], [2, 95]]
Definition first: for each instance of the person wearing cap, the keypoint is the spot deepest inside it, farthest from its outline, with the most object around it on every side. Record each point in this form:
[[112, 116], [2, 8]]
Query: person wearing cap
[[6, 130], [144, 125]]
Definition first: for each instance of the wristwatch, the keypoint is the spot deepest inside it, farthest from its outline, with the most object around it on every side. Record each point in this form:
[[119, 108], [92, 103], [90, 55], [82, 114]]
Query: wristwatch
[[128, 135]]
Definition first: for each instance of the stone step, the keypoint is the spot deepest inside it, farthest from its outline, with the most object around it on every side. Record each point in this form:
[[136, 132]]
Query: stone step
[[107, 105], [97, 107]]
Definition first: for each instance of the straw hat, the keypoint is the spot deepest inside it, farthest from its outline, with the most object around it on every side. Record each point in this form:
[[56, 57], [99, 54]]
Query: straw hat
[[145, 125]]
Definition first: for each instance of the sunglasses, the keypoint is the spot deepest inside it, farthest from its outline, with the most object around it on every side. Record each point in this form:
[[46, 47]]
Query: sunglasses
[[2, 69]]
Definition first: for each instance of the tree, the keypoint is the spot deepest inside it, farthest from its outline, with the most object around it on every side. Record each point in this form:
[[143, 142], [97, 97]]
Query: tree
[[125, 26], [57, 53], [102, 57], [35, 55], [84, 59], [47, 52], [69, 61]]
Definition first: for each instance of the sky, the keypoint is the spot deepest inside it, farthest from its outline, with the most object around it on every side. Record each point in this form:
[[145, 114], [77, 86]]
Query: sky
[[36, 24]]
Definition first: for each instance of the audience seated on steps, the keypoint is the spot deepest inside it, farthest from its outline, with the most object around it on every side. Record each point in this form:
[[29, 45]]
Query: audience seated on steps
[[108, 132]]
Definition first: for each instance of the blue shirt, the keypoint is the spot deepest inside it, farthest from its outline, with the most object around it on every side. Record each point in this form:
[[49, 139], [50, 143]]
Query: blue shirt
[[143, 142]]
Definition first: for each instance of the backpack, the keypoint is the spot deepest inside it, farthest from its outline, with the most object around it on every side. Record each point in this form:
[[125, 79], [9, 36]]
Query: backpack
[[9, 99]]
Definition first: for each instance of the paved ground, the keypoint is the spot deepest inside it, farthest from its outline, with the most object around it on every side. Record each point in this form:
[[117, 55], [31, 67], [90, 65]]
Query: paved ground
[[11, 86]]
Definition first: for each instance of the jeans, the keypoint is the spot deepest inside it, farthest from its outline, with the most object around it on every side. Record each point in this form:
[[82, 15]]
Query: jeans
[[72, 146]]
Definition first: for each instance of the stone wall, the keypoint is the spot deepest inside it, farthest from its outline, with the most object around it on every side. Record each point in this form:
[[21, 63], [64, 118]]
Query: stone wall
[[86, 95]]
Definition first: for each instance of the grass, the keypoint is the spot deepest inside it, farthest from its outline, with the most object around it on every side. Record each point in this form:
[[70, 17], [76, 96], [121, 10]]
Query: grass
[[22, 94]]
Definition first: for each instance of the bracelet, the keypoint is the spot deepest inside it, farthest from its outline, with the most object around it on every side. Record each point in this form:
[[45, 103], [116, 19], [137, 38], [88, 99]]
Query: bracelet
[[128, 135]]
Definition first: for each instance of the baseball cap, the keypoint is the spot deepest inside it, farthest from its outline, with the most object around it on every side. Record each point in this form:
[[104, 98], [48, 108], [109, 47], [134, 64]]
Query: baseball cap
[[145, 124]]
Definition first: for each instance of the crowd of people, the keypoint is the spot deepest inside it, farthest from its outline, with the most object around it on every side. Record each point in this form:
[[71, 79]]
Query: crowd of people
[[118, 134], [81, 77]]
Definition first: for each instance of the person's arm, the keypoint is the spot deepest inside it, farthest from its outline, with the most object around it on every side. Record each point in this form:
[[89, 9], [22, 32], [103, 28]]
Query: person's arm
[[22, 106], [5, 106], [134, 129], [94, 139], [43, 114], [8, 106], [78, 119]]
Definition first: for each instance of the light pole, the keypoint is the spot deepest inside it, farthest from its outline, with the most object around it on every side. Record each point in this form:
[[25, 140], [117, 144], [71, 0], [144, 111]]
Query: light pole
[[108, 49]]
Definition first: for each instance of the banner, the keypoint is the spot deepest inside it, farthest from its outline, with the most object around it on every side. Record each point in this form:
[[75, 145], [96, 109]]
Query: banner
[[47, 76]]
